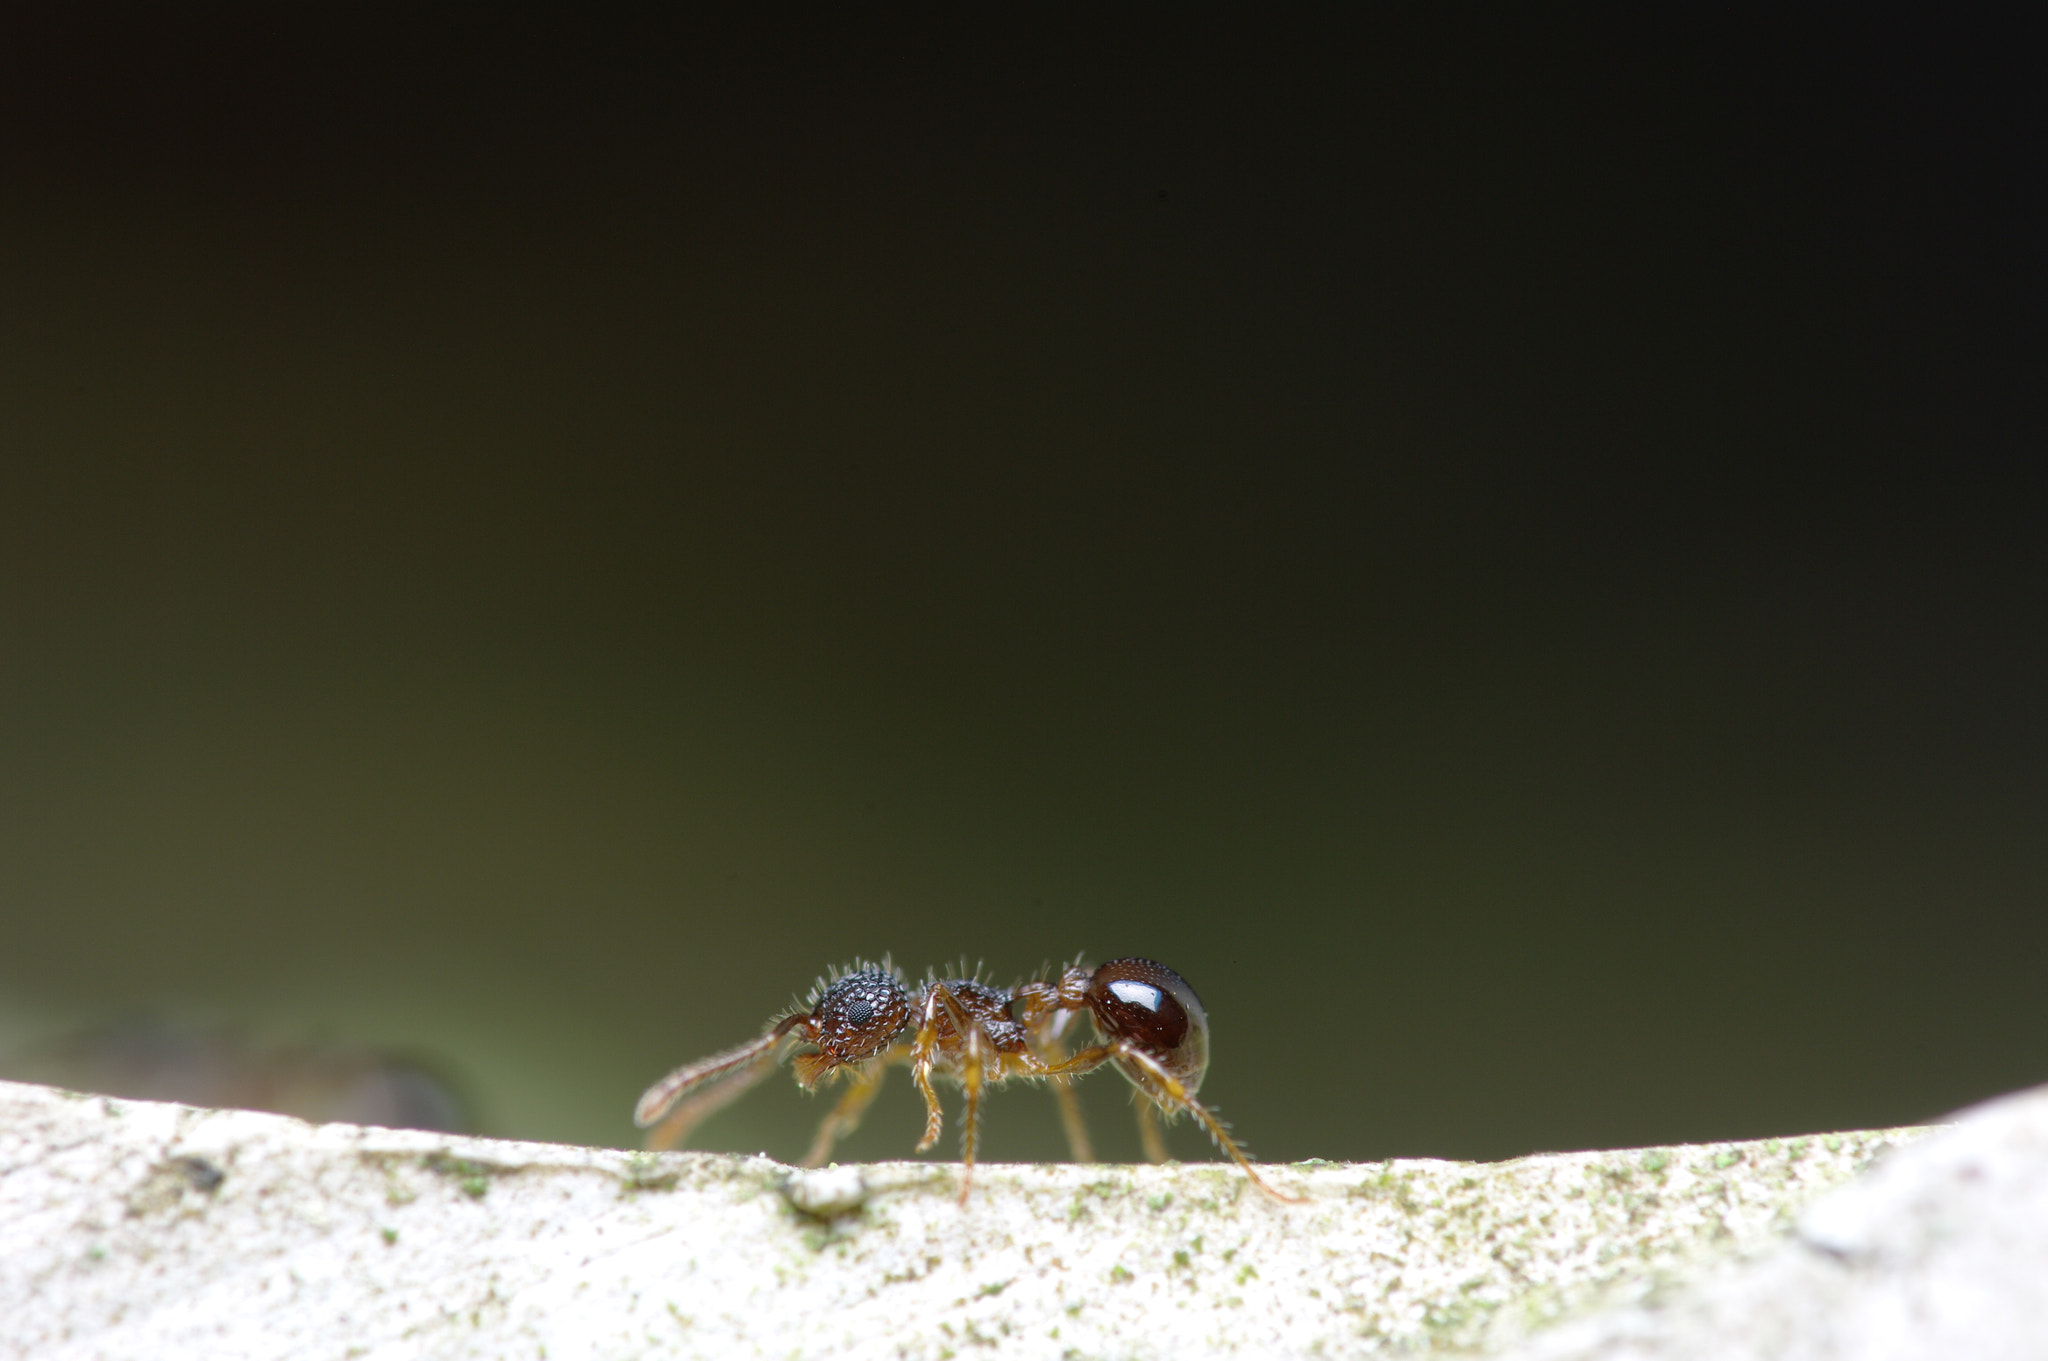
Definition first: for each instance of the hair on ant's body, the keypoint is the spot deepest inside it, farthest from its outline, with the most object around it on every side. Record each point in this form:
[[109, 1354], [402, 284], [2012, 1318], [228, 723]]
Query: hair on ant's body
[[861, 1020]]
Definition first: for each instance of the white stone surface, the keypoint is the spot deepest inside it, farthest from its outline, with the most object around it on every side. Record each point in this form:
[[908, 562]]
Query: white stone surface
[[137, 1229], [1941, 1252]]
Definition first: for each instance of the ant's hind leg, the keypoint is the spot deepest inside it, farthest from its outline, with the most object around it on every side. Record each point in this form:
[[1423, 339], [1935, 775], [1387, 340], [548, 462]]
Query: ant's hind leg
[[1166, 1089], [1148, 1130], [1071, 1121], [863, 1085], [1050, 1053], [1158, 1086]]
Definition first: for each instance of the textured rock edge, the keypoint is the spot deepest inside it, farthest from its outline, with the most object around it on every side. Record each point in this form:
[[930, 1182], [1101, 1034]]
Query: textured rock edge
[[1941, 1251], [141, 1228]]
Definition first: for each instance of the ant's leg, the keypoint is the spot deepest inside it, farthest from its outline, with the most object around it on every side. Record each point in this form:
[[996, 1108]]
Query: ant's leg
[[862, 1087], [687, 1114], [1045, 1020], [1071, 1121], [1164, 1088], [1167, 1090], [977, 1051], [1050, 1052], [1087, 1061], [921, 1048], [970, 1129], [1148, 1105], [1062, 1070], [1148, 1130]]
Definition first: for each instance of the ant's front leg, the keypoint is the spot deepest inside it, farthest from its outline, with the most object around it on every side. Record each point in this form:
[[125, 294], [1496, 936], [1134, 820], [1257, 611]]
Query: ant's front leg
[[863, 1085]]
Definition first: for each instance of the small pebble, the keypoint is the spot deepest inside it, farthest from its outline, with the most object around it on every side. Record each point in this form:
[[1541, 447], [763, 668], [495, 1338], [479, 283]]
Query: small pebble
[[824, 1192]]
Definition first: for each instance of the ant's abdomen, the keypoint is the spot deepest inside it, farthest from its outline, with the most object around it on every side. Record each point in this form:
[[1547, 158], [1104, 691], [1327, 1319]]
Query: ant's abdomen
[[1148, 1004]]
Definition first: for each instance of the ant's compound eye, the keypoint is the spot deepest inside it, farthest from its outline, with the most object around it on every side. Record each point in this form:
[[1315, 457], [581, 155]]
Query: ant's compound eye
[[860, 1014], [1153, 1007]]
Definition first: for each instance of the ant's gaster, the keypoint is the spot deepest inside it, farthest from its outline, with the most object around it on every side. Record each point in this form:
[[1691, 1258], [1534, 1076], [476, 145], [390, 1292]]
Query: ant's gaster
[[1148, 1021]]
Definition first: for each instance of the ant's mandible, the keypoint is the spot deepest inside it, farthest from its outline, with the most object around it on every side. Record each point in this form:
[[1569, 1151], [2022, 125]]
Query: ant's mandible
[[860, 1021]]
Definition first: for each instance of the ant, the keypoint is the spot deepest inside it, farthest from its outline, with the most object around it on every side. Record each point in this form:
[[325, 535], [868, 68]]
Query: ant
[[861, 1020]]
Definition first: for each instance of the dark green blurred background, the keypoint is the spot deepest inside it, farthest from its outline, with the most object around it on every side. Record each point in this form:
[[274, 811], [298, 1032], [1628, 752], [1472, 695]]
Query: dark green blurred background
[[1507, 547]]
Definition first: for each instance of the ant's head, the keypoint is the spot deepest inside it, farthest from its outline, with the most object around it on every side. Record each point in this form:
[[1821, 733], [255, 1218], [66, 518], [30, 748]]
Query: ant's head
[[1151, 1006], [853, 1018]]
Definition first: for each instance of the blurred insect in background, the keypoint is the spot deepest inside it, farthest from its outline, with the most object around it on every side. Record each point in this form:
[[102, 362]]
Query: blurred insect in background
[[861, 1021]]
